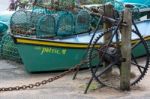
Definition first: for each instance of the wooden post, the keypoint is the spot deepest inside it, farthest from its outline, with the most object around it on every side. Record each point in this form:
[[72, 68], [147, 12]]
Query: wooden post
[[126, 50], [108, 11]]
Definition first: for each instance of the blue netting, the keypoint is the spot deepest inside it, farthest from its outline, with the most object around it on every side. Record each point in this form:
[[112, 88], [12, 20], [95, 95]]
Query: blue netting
[[83, 20], [8, 49], [3, 28], [65, 24], [46, 26]]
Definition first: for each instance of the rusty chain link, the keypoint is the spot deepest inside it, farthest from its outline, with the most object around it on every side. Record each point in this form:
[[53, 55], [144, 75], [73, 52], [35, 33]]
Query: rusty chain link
[[43, 82]]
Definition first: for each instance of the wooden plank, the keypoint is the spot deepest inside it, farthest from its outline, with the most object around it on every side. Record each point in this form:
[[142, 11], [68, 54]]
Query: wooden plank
[[126, 50]]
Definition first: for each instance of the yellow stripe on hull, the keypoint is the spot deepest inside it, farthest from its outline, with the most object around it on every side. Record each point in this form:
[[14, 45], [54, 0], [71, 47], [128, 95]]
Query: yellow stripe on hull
[[51, 43], [60, 44]]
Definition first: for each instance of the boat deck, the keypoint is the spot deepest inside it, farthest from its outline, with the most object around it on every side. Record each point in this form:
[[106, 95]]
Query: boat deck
[[12, 74]]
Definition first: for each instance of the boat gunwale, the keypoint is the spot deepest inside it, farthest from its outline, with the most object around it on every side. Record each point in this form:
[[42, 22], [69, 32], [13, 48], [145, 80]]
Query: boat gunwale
[[52, 43]]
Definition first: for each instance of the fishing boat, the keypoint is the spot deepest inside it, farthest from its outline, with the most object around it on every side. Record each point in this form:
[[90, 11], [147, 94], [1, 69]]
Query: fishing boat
[[52, 54], [49, 40]]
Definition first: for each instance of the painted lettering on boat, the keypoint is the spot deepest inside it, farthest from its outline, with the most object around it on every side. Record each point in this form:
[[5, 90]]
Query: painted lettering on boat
[[45, 50]]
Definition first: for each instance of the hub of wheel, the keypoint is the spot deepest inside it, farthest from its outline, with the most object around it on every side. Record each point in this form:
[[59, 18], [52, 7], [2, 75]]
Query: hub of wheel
[[110, 54]]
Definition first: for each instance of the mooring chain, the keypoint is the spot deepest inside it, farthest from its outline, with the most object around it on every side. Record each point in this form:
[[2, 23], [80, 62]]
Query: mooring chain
[[43, 82]]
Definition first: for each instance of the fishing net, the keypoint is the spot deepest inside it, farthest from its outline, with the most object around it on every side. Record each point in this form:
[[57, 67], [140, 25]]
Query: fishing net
[[3, 29], [46, 26], [8, 49], [83, 20], [65, 24]]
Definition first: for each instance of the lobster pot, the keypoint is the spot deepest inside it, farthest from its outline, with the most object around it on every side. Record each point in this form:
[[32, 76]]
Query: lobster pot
[[19, 22], [82, 23], [33, 18], [64, 4], [46, 26], [65, 24], [8, 49]]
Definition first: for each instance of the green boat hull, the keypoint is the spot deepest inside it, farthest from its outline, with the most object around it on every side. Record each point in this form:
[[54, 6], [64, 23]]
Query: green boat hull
[[48, 58], [40, 56]]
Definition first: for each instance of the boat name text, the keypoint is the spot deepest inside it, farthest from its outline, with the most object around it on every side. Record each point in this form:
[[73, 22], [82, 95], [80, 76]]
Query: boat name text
[[45, 50]]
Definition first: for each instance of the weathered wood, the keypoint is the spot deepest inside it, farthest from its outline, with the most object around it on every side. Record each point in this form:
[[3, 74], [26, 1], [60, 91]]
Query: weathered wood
[[108, 11], [126, 50]]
